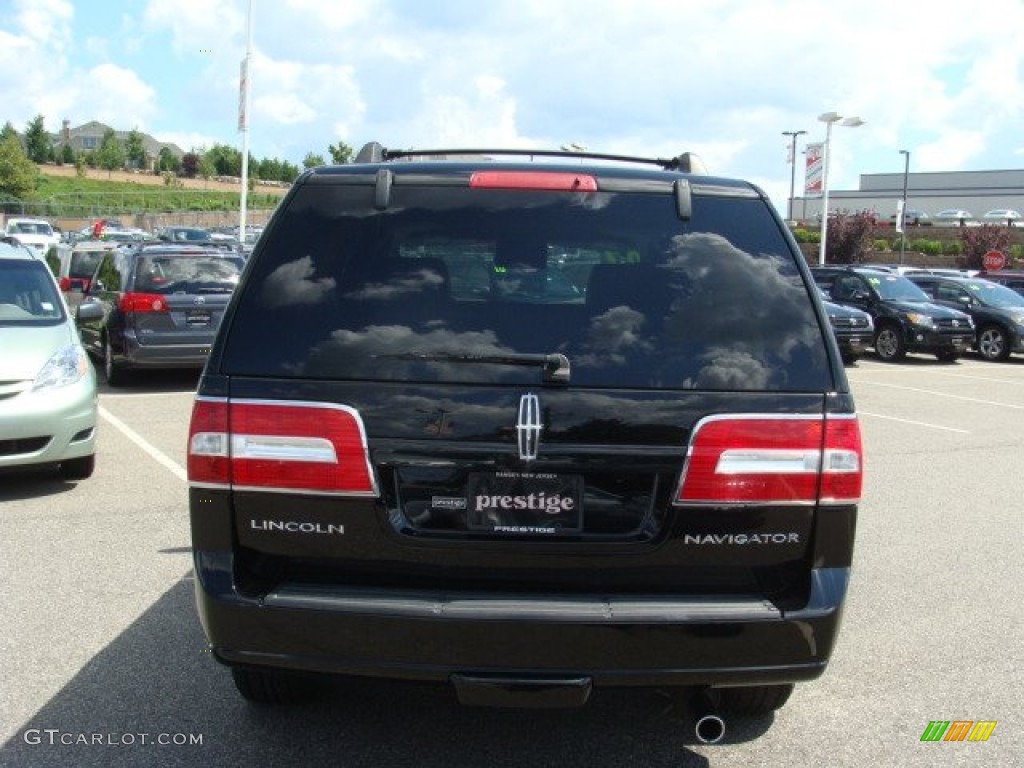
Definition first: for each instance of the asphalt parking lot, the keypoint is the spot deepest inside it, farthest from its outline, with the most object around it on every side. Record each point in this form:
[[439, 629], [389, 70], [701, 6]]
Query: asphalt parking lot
[[103, 661]]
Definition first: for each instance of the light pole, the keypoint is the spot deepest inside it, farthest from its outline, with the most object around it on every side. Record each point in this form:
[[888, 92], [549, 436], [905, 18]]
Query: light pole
[[829, 118], [792, 169], [903, 213]]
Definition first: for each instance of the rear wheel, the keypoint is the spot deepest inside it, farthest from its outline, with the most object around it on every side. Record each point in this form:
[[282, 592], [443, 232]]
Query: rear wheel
[[755, 699], [113, 370], [992, 343], [78, 469], [889, 344], [269, 687]]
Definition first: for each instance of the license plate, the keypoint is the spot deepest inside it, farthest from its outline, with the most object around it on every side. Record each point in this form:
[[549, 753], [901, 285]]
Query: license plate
[[198, 317], [524, 503]]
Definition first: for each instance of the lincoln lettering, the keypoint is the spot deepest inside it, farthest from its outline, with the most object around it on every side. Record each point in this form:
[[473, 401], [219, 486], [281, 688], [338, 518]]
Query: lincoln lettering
[[292, 526], [550, 504]]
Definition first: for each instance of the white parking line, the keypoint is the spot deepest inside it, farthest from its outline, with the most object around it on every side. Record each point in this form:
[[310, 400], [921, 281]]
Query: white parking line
[[140, 441], [977, 400], [991, 379], [914, 423]]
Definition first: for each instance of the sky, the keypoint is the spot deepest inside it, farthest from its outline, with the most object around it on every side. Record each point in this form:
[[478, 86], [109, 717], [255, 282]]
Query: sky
[[653, 78]]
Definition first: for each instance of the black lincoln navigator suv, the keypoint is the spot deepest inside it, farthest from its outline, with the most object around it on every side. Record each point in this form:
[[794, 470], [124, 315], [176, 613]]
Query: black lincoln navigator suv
[[527, 423]]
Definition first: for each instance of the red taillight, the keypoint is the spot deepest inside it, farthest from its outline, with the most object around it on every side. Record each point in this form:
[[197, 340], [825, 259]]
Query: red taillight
[[543, 180], [208, 436], [279, 446], [65, 284], [767, 459], [842, 472], [142, 302]]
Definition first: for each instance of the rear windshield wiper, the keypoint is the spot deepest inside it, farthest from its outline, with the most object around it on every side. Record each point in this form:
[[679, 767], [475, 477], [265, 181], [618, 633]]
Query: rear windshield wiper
[[555, 365]]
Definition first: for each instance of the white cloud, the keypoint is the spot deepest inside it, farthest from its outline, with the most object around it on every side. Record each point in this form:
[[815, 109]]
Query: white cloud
[[118, 97], [722, 78], [196, 25]]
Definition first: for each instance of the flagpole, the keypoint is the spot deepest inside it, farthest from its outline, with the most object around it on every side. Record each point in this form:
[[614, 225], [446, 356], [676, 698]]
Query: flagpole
[[243, 125]]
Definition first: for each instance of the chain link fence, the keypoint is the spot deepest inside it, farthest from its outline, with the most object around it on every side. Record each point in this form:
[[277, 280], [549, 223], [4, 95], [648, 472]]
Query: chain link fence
[[143, 210]]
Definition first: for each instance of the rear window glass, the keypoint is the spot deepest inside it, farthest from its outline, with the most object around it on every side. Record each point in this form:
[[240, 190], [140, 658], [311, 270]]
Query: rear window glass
[[474, 286], [179, 273], [84, 263]]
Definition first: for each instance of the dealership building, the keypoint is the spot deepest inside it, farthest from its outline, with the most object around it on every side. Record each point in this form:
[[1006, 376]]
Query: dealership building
[[974, 191]]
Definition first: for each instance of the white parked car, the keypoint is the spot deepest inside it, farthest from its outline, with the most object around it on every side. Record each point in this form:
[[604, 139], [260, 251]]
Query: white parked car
[[1003, 215], [955, 215], [36, 234]]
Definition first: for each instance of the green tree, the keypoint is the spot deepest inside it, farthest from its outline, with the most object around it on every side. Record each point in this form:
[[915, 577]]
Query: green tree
[[227, 160], [167, 161], [341, 153], [269, 169], [37, 141], [289, 172], [312, 161], [134, 149], [206, 167], [17, 173], [110, 154], [67, 154], [8, 131]]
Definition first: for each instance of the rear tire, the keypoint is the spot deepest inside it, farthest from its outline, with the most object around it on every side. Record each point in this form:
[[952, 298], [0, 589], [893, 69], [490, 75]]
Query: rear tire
[[78, 469], [269, 687], [755, 699], [992, 343], [113, 371], [889, 344]]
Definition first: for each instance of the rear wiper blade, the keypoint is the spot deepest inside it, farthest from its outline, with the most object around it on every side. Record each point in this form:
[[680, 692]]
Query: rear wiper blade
[[556, 365]]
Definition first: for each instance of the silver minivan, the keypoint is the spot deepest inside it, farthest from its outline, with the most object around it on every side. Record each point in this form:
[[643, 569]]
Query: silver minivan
[[48, 398]]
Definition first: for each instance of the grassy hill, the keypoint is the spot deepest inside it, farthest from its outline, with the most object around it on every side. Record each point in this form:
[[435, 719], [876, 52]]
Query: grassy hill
[[61, 192]]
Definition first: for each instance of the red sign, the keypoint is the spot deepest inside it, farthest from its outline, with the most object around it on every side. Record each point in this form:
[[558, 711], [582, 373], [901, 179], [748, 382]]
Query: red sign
[[993, 261], [815, 170]]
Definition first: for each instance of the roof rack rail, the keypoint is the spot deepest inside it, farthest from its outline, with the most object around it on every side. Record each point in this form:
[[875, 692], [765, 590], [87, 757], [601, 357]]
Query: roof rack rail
[[687, 162]]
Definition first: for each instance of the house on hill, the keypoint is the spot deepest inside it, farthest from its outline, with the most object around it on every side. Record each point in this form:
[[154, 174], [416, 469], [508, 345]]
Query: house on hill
[[88, 137]]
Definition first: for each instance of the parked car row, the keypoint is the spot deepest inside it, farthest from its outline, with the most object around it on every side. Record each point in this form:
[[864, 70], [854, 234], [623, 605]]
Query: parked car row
[[941, 314], [960, 217]]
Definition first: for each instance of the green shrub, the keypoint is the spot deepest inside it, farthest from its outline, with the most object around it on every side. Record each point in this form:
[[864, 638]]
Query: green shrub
[[953, 247], [802, 235], [923, 245], [52, 261], [880, 245]]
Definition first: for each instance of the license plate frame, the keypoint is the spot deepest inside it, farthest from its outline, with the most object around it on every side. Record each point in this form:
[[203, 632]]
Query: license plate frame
[[198, 318], [517, 503]]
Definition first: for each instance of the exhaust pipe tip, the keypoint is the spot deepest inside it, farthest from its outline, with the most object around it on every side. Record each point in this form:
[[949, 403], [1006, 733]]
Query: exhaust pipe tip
[[709, 729]]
